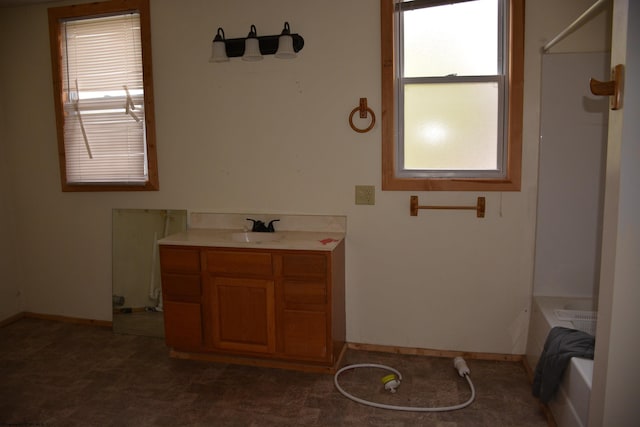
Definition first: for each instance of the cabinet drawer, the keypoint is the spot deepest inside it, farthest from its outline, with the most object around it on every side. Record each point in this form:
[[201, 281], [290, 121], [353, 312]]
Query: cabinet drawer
[[179, 259], [251, 263], [304, 265], [304, 292], [181, 285]]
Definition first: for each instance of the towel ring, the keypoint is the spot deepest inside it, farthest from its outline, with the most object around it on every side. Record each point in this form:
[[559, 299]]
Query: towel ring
[[364, 109]]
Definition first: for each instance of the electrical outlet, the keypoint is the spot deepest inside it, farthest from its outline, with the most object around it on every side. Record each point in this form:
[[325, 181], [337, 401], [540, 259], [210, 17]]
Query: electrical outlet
[[365, 195]]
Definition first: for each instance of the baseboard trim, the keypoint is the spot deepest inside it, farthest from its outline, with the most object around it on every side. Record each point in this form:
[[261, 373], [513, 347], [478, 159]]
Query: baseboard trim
[[527, 368], [351, 345], [11, 319], [57, 318], [436, 353]]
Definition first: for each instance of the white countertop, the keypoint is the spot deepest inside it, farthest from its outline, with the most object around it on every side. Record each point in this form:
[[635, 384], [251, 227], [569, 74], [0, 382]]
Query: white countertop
[[228, 238]]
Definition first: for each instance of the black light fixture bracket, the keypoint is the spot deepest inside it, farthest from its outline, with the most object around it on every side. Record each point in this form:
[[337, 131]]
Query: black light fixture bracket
[[268, 45]]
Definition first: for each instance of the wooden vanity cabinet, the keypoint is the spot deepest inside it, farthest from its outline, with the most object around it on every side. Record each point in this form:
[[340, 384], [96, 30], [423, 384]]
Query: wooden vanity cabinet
[[281, 308]]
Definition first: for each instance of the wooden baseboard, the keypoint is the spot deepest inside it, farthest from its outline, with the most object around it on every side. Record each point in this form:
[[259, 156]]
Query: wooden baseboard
[[436, 353], [527, 368], [57, 318], [10, 320]]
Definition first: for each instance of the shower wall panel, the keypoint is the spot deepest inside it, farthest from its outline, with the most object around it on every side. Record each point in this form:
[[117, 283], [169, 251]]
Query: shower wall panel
[[572, 155]]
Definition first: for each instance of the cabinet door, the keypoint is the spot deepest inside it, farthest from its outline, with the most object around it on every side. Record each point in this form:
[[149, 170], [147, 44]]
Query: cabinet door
[[304, 334], [303, 320], [242, 314], [182, 325]]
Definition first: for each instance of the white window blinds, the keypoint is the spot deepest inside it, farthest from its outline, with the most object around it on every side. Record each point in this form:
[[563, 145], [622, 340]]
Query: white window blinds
[[104, 126]]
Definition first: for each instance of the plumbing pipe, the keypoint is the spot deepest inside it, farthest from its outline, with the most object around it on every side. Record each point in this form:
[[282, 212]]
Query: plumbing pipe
[[155, 292], [391, 382]]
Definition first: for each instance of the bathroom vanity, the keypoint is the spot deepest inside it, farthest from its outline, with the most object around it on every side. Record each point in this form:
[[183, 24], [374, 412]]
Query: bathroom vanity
[[268, 299]]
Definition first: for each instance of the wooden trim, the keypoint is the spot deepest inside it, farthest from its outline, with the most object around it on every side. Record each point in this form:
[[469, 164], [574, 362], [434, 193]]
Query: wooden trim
[[56, 318], [512, 182], [527, 368], [56, 16], [516, 92], [387, 43], [66, 319], [436, 353], [11, 319]]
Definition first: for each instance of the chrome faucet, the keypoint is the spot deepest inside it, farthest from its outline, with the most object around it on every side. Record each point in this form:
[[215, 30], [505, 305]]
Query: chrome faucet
[[261, 227]]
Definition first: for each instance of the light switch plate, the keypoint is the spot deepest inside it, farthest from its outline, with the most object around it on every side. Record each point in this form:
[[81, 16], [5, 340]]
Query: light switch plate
[[365, 195]]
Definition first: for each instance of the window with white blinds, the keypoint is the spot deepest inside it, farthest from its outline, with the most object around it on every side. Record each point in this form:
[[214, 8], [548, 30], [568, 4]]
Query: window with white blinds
[[102, 98]]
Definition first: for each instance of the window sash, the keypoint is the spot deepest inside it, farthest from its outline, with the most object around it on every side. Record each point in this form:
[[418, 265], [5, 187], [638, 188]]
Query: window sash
[[502, 97], [409, 6], [104, 53], [104, 132], [103, 144], [499, 162], [514, 62]]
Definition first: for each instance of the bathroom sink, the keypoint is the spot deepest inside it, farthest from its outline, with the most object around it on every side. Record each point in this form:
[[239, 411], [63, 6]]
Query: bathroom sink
[[252, 237]]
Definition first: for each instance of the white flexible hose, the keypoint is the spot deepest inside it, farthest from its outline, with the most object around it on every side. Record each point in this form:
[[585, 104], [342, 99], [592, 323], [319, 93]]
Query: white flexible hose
[[394, 407]]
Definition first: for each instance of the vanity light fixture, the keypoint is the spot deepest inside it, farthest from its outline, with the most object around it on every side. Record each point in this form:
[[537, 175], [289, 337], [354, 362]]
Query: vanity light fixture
[[218, 48], [285, 44], [252, 48]]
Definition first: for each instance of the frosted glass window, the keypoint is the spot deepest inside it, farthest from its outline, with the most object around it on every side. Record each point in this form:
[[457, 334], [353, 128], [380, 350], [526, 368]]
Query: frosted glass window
[[451, 126], [451, 94], [452, 78], [457, 39]]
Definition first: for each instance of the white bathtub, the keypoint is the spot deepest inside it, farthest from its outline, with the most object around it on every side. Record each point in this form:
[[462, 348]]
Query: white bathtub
[[570, 406]]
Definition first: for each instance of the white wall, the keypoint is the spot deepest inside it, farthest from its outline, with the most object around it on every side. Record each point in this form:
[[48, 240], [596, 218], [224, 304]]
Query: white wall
[[273, 137], [573, 138], [9, 288], [616, 378]]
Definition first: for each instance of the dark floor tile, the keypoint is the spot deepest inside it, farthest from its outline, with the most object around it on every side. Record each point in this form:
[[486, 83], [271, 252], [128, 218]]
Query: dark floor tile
[[59, 374]]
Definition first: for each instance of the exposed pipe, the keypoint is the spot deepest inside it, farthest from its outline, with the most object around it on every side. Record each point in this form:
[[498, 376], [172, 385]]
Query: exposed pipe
[[574, 25], [155, 292]]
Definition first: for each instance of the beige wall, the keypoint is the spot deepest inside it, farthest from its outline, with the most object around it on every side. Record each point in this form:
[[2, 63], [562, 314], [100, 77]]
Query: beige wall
[[616, 378], [9, 288], [273, 137]]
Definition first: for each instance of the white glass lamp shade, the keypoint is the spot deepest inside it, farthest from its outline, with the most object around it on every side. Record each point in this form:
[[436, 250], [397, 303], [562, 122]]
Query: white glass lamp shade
[[285, 47], [218, 52], [219, 48], [252, 50]]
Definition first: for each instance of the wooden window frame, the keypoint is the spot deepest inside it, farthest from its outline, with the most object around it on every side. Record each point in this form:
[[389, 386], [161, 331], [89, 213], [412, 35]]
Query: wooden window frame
[[57, 15], [512, 179]]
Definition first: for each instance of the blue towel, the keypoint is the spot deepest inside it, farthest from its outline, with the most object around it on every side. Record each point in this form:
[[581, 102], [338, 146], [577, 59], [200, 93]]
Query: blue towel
[[562, 344]]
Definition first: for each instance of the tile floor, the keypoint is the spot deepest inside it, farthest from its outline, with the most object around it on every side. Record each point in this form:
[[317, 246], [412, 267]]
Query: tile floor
[[61, 374]]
